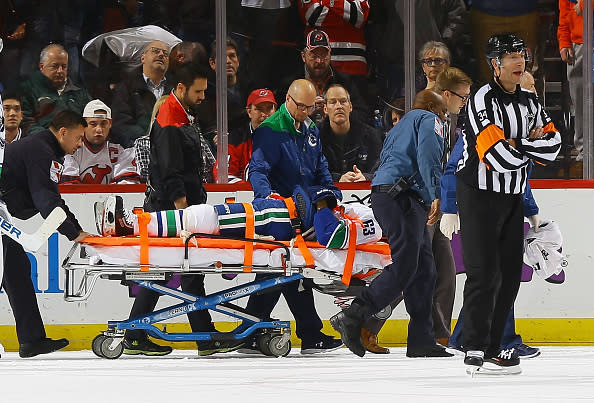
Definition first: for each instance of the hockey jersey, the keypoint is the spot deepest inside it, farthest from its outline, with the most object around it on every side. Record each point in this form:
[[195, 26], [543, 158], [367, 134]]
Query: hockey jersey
[[343, 21], [110, 164]]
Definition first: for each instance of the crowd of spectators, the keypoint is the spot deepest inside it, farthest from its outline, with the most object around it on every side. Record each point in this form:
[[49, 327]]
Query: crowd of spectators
[[357, 44]]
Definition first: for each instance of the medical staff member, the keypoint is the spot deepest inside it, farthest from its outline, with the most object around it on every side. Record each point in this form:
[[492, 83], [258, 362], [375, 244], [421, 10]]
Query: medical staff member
[[29, 185], [405, 199]]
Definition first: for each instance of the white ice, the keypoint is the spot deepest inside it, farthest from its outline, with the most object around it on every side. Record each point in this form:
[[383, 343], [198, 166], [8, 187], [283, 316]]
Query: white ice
[[560, 374]]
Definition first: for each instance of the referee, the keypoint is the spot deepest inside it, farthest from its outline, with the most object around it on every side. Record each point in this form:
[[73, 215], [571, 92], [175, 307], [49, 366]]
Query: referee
[[505, 128]]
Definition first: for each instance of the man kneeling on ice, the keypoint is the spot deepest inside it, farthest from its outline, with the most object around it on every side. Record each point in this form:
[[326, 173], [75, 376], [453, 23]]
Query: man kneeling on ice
[[316, 212]]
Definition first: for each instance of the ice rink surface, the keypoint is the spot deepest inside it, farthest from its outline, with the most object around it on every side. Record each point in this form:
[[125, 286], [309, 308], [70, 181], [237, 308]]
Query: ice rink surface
[[559, 374]]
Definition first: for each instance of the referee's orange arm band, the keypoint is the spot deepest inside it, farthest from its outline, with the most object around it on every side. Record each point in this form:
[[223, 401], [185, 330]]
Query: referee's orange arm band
[[487, 139]]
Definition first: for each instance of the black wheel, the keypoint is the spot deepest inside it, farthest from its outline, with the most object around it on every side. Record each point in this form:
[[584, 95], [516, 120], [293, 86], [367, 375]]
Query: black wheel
[[96, 345], [264, 343], [384, 313], [108, 353], [275, 347]]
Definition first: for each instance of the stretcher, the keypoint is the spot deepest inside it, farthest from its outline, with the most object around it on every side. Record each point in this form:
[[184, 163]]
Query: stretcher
[[151, 262]]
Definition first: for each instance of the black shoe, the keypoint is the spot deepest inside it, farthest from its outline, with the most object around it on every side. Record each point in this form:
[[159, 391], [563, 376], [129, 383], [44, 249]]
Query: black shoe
[[474, 358], [210, 347], [43, 346], [505, 358], [325, 344], [427, 351], [250, 347], [348, 323], [144, 347]]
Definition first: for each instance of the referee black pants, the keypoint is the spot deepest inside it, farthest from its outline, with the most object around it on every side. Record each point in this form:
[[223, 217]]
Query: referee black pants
[[492, 233], [20, 291]]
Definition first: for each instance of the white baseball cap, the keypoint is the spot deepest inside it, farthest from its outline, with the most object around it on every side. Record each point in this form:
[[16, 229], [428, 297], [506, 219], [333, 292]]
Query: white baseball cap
[[92, 108]]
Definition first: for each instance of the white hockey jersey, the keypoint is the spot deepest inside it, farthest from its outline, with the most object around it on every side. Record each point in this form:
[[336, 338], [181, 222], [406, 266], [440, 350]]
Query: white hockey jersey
[[110, 164]]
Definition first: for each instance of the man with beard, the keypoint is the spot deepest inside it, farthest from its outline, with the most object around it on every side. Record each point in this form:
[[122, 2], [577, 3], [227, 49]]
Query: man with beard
[[49, 91], [176, 183], [135, 96]]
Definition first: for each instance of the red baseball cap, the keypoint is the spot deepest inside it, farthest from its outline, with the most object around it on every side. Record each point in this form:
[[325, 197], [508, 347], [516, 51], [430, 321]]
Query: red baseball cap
[[260, 95]]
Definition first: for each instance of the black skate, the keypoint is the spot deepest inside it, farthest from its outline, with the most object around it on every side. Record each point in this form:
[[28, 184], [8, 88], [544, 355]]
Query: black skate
[[507, 362], [111, 218]]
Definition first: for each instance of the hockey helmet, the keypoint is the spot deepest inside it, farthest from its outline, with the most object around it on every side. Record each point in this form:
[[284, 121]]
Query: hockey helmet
[[502, 44]]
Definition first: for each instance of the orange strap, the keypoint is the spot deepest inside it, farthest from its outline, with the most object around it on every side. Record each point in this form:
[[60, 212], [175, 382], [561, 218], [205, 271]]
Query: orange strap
[[143, 220], [250, 232], [309, 260], [350, 258]]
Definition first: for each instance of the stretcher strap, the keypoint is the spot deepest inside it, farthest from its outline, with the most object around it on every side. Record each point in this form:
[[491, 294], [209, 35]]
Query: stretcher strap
[[350, 258], [250, 232], [305, 252], [143, 220]]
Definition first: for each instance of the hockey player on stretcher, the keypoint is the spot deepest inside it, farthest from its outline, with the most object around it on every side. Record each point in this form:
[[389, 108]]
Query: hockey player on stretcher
[[320, 218]]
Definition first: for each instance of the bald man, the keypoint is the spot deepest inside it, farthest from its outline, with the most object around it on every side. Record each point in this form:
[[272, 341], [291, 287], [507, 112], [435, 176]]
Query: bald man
[[135, 96], [287, 154], [405, 200], [49, 91]]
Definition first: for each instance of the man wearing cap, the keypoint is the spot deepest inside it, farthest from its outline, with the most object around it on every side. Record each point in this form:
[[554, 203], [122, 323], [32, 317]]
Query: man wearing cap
[[260, 105], [99, 161], [317, 69]]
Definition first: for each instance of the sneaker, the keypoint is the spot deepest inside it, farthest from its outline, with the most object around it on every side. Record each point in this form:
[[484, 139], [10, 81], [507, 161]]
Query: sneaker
[[435, 350], [43, 346], [144, 347], [474, 358], [210, 347], [111, 218], [525, 351], [505, 358], [326, 344]]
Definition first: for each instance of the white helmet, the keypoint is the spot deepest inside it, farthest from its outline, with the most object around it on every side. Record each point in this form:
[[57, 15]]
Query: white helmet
[[542, 249]]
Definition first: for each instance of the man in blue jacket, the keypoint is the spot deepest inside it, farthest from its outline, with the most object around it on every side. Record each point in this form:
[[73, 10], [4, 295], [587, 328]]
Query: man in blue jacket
[[405, 199], [288, 153]]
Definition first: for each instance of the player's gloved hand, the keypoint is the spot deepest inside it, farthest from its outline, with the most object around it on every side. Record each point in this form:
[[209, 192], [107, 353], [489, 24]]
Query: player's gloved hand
[[319, 193], [534, 222], [450, 224]]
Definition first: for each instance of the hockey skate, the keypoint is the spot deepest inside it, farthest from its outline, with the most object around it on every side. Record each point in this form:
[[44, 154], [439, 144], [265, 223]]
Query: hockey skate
[[111, 219], [506, 362]]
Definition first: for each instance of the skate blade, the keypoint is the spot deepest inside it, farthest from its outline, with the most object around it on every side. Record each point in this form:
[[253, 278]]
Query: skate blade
[[490, 370], [99, 209]]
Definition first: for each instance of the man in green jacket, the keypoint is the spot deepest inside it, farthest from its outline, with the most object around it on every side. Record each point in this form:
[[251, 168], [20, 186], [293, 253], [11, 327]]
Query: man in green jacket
[[49, 91]]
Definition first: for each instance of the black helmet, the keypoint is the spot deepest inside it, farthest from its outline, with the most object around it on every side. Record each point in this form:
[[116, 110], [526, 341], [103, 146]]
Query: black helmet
[[501, 44]]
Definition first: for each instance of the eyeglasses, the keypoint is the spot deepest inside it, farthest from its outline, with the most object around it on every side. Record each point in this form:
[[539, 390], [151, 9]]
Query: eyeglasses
[[156, 51], [464, 98], [302, 107], [434, 61]]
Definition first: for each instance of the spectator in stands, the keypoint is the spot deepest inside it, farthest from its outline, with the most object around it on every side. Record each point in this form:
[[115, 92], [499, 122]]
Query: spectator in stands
[[351, 147], [571, 43], [434, 57], [135, 96], [393, 112], [506, 16], [260, 105], [49, 91], [343, 21], [187, 52], [236, 93], [317, 68], [13, 116], [98, 161]]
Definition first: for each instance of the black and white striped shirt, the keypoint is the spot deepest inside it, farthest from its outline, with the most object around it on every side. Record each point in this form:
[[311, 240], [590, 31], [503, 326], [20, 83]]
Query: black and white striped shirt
[[489, 162]]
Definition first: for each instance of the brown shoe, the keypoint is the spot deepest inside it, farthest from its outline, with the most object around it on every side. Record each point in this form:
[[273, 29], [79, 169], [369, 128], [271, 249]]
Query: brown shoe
[[443, 341], [369, 341]]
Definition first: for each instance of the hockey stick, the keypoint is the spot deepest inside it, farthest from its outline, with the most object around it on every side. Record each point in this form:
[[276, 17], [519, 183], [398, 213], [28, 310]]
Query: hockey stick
[[34, 241]]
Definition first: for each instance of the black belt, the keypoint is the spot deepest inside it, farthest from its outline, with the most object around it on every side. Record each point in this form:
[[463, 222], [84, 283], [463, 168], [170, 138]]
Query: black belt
[[408, 192], [381, 188]]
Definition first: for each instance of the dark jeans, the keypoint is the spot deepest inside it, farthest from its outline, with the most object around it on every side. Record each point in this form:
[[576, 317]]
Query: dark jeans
[[403, 220], [510, 337]]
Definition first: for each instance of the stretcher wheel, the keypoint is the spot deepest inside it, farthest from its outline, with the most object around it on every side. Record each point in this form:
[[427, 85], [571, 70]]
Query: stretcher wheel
[[263, 343], [96, 345], [384, 313], [111, 354], [275, 349]]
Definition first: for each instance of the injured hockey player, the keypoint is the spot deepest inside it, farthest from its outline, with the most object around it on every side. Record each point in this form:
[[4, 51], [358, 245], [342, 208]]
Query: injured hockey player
[[320, 217]]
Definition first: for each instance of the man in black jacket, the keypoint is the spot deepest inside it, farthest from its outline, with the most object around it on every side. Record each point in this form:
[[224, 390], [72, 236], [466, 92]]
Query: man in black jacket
[[29, 185], [351, 147], [135, 96]]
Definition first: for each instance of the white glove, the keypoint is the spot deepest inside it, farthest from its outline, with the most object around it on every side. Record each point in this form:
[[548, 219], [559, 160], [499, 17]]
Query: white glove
[[534, 222], [450, 224]]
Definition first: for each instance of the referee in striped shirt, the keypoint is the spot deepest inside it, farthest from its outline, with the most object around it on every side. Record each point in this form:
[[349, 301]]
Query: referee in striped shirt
[[506, 127]]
